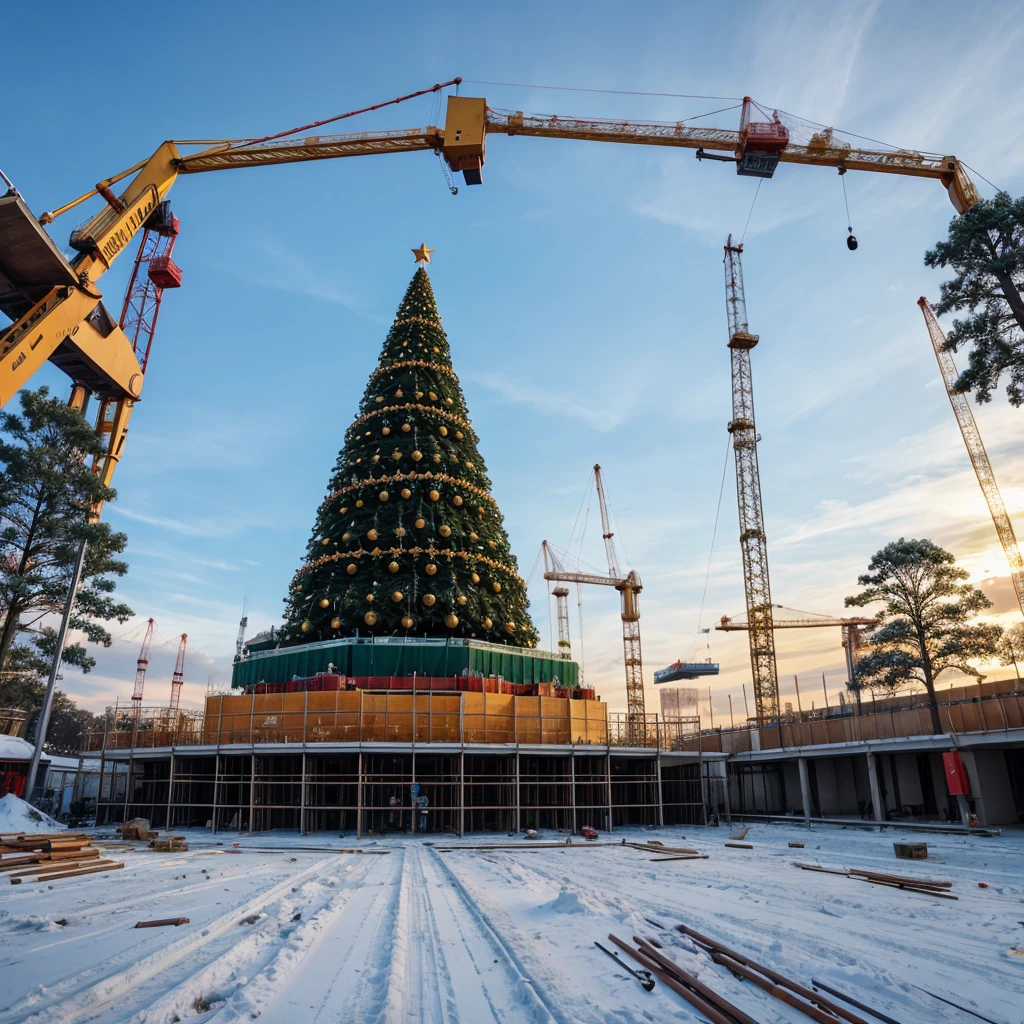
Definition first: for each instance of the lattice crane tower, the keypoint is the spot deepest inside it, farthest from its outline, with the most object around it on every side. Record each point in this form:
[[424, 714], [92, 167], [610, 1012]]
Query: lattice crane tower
[[748, 493], [976, 450], [178, 676]]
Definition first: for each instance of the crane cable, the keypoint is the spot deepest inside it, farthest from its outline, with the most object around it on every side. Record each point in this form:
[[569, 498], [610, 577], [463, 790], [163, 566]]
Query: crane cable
[[714, 533], [757, 192]]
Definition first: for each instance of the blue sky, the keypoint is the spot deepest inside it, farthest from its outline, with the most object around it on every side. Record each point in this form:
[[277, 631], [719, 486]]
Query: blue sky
[[580, 286]]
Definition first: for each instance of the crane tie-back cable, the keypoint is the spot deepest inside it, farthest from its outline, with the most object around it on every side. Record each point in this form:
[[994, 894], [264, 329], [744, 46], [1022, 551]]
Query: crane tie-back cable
[[714, 533], [610, 92]]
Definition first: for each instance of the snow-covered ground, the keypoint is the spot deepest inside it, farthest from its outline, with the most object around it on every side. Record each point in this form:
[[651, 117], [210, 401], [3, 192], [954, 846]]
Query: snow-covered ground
[[288, 930]]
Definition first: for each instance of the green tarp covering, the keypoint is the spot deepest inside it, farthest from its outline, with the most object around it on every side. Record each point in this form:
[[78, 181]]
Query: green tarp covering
[[459, 657]]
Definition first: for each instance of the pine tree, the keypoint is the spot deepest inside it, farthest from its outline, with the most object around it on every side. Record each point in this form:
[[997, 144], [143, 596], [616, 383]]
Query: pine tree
[[409, 540]]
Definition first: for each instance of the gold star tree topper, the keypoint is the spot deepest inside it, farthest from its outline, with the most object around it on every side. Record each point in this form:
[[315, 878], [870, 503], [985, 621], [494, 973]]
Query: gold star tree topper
[[422, 254]]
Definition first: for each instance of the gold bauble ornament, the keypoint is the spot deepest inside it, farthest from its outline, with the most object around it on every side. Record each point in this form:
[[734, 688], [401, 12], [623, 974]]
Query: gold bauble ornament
[[462, 599], [429, 600], [407, 622], [473, 535], [343, 509], [433, 496], [393, 567], [437, 458], [385, 431], [443, 431], [335, 623], [419, 395], [326, 541], [451, 620], [458, 435], [346, 536], [397, 596], [399, 393], [457, 500], [383, 495], [510, 627], [406, 427], [352, 568], [449, 402], [400, 532], [359, 503], [371, 534], [323, 602], [419, 524], [491, 544], [488, 623], [370, 618], [406, 493], [417, 455], [496, 587], [376, 458], [432, 396], [445, 531], [475, 577], [469, 465], [307, 626], [378, 399], [369, 597], [431, 569]]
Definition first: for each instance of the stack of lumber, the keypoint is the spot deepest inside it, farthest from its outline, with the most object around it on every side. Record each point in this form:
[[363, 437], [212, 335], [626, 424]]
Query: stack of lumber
[[137, 828], [47, 856], [669, 852], [927, 887]]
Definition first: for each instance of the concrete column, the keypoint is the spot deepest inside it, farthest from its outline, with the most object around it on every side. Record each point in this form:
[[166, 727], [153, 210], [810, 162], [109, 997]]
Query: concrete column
[[876, 793], [805, 788], [661, 801]]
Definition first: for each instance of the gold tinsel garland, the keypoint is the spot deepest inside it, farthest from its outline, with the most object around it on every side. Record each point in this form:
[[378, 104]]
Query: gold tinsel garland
[[422, 363], [399, 477], [433, 552], [454, 417], [417, 320]]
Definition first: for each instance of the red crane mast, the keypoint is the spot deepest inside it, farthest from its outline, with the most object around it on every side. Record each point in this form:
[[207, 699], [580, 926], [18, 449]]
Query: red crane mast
[[140, 671]]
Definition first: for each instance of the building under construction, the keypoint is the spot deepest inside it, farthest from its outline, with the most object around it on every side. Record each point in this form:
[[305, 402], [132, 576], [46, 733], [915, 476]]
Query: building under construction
[[339, 752]]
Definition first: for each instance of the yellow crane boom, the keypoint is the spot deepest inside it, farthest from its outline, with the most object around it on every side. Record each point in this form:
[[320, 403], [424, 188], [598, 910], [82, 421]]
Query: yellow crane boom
[[976, 450], [56, 305]]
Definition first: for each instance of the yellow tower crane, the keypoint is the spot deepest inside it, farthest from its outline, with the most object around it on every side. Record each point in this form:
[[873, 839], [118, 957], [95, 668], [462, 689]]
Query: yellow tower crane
[[976, 450], [629, 587]]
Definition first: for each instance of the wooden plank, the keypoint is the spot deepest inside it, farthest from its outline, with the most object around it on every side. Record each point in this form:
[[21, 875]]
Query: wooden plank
[[739, 846], [908, 888], [681, 856], [56, 869], [83, 854], [163, 921], [18, 862], [113, 866], [902, 879]]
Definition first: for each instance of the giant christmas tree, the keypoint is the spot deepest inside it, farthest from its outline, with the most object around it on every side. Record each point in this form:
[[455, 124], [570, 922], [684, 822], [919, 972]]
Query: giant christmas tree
[[409, 540]]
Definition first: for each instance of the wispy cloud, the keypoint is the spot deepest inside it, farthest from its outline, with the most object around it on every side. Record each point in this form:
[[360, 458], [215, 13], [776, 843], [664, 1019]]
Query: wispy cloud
[[604, 418], [209, 526]]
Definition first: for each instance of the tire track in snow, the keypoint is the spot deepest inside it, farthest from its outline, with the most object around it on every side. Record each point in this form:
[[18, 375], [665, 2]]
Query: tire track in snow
[[81, 995], [250, 970], [343, 975]]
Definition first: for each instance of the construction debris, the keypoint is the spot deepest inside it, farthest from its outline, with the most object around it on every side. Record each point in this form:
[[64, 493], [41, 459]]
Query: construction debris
[[714, 1006], [643, 976], [911, 851], [137, 828], [812, 1004], [169, 844], [739, 846], [164, 921], [922, 885], [51, 855], [853, 1002], [739, 833]]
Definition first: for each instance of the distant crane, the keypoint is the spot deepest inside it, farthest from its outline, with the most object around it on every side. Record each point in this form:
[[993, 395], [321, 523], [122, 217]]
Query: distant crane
[[140, 670], [242, 625], [629, 586], [976, 451], [853, 627], [178, 678], [561, 596], [753, 544]]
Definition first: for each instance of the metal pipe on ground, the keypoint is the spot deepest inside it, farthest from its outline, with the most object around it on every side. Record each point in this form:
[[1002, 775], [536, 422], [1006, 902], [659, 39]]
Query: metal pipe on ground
[[780, 979]]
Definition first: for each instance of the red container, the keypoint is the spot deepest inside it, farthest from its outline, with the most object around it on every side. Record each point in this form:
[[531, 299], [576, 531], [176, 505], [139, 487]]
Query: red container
[[164, 272], [956, 774]]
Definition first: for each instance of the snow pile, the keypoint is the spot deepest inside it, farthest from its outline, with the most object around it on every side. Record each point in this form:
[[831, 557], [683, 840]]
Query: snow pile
[[14, 748], [17, 816], [565, 903]]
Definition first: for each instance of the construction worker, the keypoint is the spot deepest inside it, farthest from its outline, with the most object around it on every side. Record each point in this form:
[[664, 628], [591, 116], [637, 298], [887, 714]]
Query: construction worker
[[422, 802]]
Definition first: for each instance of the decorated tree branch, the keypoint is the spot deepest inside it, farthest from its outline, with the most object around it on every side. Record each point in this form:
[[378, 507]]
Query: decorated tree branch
[[409, 540]]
